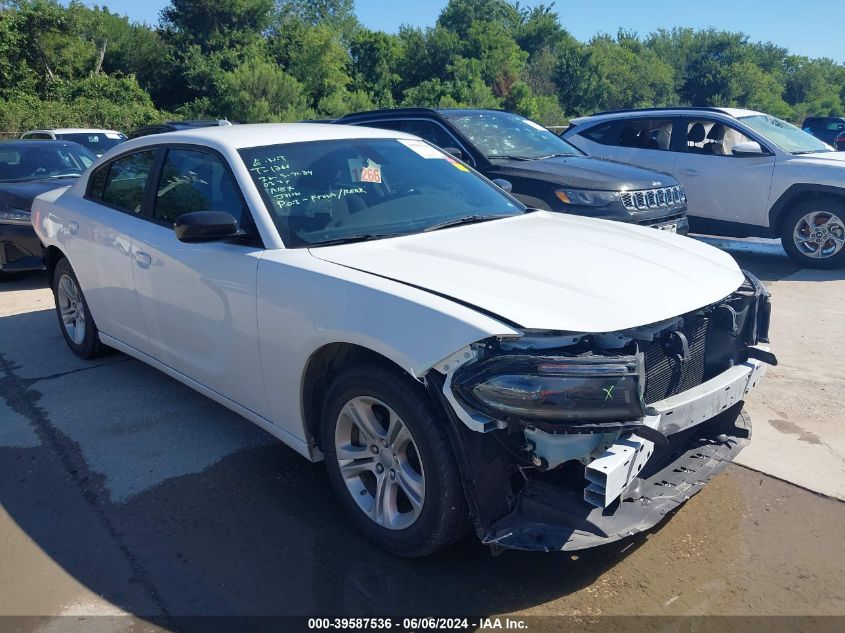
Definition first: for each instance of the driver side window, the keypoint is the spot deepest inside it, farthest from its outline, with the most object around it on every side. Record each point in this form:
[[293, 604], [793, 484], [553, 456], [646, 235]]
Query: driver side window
[[195, 181], [712, 138]]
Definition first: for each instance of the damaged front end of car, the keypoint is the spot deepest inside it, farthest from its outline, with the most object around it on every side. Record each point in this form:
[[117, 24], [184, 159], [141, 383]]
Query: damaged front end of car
[[567, 441]]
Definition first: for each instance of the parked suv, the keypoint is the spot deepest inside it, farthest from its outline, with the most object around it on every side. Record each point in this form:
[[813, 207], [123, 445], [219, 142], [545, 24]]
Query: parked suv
[[96, 140], [540, 169], [174, 126], [747, 173], [555, 382], [829, 129]]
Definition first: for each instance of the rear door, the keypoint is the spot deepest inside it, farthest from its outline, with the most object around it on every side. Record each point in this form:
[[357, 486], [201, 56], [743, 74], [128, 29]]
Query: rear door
[[198, 301], [100, 226], [642, 142], [720, 185]]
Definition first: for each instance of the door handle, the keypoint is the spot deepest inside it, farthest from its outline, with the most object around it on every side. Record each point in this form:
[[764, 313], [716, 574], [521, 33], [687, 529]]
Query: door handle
[[143, 259], [73, 227]]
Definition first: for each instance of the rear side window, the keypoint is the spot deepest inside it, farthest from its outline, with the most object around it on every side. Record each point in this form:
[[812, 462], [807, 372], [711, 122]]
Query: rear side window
[[195, 181], [655, 134], [123, 185], [601, 133]]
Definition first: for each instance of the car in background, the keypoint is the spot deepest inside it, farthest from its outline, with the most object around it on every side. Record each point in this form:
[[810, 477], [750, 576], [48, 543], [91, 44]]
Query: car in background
[[28, 169], [173, 126], [830, 129], [98, 141], [747, 173], [539, 169], [554, 381]]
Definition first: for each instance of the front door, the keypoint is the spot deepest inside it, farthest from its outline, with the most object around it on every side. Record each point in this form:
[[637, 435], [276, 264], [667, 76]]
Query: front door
[[720, 185], [198, 300]]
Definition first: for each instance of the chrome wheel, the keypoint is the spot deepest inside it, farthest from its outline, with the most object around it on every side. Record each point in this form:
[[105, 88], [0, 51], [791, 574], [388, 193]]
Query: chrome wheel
[[379, 463], [71, 308], [819, 234]]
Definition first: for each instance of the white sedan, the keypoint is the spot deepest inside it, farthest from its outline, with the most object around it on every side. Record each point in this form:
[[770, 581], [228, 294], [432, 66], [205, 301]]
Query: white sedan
[[554, 381]]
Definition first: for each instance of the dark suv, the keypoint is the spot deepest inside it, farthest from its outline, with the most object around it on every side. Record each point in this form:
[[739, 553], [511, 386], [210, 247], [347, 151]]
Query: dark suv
[[830, 129], [175, 126], [543, 170]]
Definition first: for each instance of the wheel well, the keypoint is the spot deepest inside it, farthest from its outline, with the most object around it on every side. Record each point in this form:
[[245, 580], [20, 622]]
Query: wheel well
[[52, 256], [790, 200], [324, 364]]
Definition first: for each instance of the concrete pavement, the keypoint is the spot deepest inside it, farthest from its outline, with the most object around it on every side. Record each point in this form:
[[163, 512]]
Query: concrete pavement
[[124, 492]]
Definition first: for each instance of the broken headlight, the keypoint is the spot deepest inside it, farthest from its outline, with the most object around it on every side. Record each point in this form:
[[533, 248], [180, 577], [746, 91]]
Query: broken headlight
[[565, 389]]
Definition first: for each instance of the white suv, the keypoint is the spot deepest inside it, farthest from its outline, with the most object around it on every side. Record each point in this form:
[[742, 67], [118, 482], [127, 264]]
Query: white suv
[[746, 173], [98, 141]]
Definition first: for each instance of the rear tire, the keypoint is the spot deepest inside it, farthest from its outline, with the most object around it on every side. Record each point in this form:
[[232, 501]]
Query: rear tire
[[75, 320], [813, 233], [390, 461]]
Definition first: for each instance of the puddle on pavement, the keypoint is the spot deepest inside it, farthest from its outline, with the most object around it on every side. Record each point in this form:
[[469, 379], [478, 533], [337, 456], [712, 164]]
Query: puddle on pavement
[[790, 428]]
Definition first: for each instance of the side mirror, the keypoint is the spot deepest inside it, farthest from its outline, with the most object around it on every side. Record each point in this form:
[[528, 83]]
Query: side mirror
[[747, 148], [503, 184], [205, 226], [454, 151]]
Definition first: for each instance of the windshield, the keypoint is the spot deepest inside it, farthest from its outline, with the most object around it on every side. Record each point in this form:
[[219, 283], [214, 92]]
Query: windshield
[[97, 142], [503, 135], [785, 135], [43, 161], [330, 191]]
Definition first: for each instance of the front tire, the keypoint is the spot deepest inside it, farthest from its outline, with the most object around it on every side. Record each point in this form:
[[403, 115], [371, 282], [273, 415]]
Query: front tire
[[390, 462], [75, 318], [813, 233]]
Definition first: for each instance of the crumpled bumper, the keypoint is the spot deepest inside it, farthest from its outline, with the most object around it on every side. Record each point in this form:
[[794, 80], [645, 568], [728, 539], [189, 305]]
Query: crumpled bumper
[[549, 517]]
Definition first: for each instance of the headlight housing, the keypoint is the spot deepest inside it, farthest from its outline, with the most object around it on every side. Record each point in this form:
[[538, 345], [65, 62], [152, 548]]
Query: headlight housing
[[571, 390], [587, 197], [15, 216]]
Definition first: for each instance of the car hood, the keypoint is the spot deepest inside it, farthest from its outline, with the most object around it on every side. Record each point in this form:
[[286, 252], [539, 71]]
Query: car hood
[[584, 172], [21, 194], [832, 159], [550, 271]]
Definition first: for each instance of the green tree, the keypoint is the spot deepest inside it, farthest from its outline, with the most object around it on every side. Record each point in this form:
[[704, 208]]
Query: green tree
[[258, 90], [375, 58]]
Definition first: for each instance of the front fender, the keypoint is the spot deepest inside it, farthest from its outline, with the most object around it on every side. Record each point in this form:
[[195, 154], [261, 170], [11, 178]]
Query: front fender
[[305, 303]]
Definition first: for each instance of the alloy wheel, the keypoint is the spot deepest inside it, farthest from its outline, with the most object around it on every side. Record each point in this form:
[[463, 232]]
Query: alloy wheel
[[379, 463], [819, 234], [71, 309]]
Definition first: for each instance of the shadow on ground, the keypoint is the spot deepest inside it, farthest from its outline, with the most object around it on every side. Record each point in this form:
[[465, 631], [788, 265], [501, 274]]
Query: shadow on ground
[[256, 532]]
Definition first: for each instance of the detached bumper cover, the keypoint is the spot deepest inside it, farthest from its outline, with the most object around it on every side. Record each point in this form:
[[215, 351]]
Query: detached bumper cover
[[550, 517]]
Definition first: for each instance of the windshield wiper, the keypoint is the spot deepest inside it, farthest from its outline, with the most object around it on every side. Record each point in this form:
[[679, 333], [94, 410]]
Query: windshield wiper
[[358, 237], [467, 219], [505, 157], [554, 156]]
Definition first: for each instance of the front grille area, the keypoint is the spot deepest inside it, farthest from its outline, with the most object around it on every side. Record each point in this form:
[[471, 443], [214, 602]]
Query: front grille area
[[663, 219], [666, 375], [654, 198]]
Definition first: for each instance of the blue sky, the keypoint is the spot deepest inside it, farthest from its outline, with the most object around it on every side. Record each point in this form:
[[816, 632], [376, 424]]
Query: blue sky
[[815, 28]]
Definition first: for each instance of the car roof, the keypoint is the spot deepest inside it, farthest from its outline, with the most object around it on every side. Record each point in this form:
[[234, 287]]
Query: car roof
[[74, 130], [398, 112], [735, 113], [28, 143], [259, 134]]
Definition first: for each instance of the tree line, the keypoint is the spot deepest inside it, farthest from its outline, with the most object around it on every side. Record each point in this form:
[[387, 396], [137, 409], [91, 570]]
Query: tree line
[[287, 60]]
